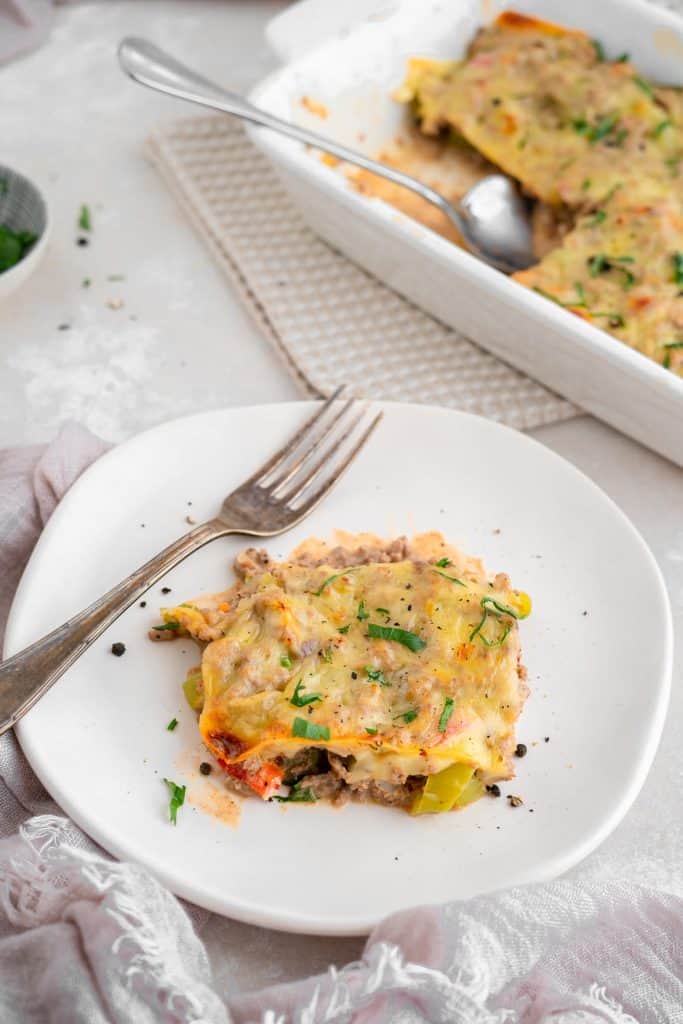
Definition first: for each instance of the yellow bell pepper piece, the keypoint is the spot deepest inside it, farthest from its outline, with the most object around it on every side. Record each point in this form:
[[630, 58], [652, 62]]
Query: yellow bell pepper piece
[[472, 791], [441, 791], [193, 689], [520, 602]]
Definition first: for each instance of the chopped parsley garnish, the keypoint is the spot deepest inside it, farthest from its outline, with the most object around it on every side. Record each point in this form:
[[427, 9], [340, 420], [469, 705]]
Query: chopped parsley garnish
[[613, 319], [362, 613], [177, 800], [408, 716], [84, 219], [489, 643], [673, 163], [603, 128], [346, 628], [622, 58], [13, 246], [443, 563], [326, 655], [376, 675], [678, 267], [331, 579], [586, 184], [309, 730], [659, 128], [383, 611], [371, 732], [595, 218], [599, 49], [300, 700], [172, 724], [453, 579], [297, 795], [496, 609], [645, 86], [171, 624], [86, 282], [595, 132], [666, 362], [497, 606], [600, 263], [402, 636], [286, 661], [446, 714]]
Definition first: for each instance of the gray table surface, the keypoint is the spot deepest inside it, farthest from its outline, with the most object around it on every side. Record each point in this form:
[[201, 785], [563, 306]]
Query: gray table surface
[[181, 341]]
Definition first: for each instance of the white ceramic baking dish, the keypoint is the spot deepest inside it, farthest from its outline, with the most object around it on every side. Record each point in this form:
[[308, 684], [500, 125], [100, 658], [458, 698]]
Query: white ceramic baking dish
[[353, 73]]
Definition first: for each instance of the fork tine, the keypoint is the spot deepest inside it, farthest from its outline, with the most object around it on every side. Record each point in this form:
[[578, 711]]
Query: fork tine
[[279, 457], [331, 481], [291, 470], [313, 467]]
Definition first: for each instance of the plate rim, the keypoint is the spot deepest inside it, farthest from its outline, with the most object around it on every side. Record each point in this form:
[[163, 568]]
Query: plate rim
[[289, 921]]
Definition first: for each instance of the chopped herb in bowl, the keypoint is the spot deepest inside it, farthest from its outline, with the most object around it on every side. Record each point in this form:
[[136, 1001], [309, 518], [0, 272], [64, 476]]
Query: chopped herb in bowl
[[14, 245]]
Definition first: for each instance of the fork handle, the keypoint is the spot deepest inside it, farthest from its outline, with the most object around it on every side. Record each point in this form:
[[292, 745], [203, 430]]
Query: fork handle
[[26, 676]]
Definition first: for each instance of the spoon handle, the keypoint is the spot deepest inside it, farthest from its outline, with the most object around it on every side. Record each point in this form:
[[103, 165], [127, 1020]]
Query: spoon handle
[[150, 66]]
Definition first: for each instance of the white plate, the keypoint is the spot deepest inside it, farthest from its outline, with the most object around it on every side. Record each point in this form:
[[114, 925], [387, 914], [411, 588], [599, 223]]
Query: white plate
[[598, 649], [353, 74]]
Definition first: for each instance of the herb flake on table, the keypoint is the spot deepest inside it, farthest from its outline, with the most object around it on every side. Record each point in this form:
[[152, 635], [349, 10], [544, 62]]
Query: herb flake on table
[[177, 800], [84, 218], [172, 724]]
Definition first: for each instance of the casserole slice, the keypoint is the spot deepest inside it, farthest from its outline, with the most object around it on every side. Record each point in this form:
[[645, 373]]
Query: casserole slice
[[389, 672], [543, 104]]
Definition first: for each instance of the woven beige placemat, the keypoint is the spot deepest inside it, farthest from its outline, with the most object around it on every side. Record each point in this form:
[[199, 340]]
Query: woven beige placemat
[[332, 321]]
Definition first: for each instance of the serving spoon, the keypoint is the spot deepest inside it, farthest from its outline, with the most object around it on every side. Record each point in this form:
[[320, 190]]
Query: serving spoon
[[492, 216]]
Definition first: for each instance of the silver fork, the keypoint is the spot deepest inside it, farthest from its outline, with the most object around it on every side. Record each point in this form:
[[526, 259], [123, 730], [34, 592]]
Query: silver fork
[[278, 496]]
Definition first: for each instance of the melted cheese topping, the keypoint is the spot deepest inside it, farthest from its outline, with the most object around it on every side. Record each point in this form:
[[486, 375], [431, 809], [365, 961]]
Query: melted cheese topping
[[581, 132], [291, 631]]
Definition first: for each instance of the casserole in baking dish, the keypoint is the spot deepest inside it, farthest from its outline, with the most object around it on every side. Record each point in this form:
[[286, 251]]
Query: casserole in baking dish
[[352, 77]]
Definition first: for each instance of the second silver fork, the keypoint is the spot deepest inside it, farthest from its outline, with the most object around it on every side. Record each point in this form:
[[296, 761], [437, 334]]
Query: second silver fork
[[276, 497]]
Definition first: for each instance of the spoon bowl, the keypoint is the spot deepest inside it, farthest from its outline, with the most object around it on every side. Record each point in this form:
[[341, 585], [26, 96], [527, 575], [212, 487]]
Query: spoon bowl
[[492, 217]]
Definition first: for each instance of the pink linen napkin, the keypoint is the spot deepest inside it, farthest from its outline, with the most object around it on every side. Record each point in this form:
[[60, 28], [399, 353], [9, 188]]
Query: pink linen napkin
[[86, 940]]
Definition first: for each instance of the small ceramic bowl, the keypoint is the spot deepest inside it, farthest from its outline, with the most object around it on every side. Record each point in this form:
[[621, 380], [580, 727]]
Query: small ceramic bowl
[[22, 208]]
